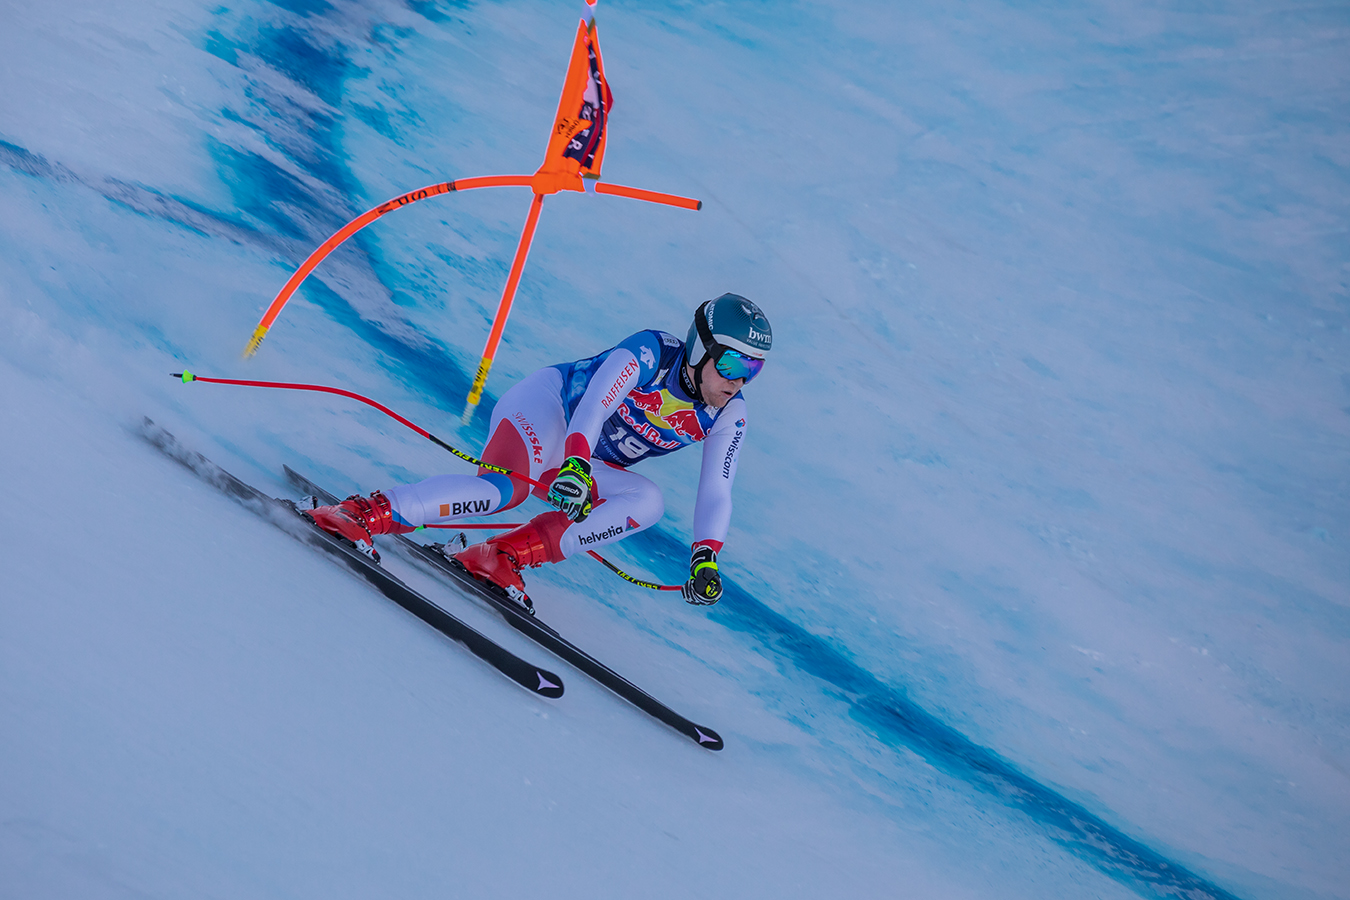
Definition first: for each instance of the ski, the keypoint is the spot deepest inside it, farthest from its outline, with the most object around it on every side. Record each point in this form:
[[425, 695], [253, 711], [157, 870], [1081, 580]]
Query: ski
[[538, 631], [286, 515]]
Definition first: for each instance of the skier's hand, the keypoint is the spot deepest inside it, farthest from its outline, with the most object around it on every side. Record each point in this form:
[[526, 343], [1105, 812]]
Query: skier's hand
[[704, 587], [572, 488]]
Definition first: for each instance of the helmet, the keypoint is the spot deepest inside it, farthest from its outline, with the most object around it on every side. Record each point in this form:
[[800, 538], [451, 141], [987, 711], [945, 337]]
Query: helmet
[[734, 332]]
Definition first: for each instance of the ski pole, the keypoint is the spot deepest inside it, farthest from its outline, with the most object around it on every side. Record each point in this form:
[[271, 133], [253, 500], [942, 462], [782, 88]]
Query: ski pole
[[630, 579], [459, 525], [187, 377]]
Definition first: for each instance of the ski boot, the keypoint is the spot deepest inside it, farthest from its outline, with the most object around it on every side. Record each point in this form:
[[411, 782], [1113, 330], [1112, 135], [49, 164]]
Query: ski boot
[[357, 520], [500, 558]]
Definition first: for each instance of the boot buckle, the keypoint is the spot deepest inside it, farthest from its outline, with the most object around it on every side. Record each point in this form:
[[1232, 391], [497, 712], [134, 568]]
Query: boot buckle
[[520, 597]]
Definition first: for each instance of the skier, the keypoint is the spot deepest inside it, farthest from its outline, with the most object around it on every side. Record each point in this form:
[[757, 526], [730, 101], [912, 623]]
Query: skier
[[648, 396]]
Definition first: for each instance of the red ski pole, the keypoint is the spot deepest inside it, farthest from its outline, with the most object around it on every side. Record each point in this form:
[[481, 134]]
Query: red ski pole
[[188, 377]]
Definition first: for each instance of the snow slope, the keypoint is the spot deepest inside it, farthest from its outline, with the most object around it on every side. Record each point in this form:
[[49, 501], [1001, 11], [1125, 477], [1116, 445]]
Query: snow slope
[[1040, 548]]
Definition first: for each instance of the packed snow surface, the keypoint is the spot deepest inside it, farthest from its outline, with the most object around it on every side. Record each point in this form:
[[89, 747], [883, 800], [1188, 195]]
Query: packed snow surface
[[1040, 564]]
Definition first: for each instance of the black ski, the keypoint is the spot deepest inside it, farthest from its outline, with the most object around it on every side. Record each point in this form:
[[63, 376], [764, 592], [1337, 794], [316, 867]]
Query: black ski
[[286, 516], [536, 630]]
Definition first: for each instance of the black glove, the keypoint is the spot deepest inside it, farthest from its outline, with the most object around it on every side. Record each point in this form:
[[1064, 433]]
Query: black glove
[[572, 488], [704, 587]]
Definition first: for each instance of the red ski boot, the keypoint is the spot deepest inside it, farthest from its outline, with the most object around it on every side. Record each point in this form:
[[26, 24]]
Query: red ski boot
[[358, 520], [500, 558]]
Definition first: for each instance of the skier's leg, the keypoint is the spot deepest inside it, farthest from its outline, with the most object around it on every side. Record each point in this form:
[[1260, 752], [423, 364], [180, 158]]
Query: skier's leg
[[626, 504], [528, 427]]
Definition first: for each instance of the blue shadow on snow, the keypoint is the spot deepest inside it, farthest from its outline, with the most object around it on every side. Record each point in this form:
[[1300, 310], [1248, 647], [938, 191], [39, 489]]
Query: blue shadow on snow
[[897, 722]]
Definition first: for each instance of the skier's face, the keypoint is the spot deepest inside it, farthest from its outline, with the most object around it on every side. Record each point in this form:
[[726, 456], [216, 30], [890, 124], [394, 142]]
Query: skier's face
[[716, 389]]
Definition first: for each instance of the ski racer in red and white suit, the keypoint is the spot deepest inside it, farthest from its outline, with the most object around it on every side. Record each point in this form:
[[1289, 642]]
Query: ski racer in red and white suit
[[637, 400]]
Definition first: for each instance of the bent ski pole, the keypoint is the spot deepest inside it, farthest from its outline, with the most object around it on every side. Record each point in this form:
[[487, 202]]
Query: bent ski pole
[[187, 378]]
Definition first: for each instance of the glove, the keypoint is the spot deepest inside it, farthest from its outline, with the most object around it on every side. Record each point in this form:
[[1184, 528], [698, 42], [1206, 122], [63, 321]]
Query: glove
[[572, 488], [704, 587]]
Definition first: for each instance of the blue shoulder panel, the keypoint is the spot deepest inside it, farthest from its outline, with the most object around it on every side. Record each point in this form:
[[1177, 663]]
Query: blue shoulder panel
[[657, 417]]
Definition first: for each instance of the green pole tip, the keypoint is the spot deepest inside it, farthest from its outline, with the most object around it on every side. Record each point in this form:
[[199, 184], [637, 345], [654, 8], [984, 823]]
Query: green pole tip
[[187, 376]]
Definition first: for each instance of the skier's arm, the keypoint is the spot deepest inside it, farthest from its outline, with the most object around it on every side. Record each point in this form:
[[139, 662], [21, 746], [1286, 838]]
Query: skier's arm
[[629, 364], [721, 450]]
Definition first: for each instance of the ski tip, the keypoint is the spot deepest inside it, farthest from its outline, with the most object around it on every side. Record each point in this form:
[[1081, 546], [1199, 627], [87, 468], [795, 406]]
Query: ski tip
[[707, 738], [550, 685]]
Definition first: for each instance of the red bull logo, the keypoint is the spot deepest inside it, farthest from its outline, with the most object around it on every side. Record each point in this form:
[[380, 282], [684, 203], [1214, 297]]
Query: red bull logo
[[648, 431], [647, 401], [685, 423], [664, 411]]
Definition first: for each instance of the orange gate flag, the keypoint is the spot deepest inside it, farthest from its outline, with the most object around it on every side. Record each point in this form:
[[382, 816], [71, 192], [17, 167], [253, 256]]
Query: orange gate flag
[[576, 148], [576, 145]]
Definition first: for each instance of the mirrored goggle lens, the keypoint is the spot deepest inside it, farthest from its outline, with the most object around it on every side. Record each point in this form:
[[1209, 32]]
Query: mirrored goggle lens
[[732, 365]]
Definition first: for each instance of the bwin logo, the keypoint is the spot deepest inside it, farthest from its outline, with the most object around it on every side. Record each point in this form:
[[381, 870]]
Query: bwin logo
[[758, 335]]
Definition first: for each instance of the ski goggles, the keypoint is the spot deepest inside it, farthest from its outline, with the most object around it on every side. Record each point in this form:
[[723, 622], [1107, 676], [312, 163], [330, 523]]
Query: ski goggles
[[733, 364]]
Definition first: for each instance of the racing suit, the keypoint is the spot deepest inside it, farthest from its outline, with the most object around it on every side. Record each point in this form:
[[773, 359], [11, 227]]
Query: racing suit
[[627, 404]]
